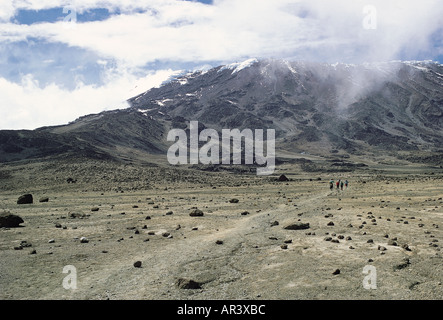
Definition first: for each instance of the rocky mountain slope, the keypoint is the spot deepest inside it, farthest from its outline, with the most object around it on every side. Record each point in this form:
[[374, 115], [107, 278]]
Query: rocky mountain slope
[[393, 108]]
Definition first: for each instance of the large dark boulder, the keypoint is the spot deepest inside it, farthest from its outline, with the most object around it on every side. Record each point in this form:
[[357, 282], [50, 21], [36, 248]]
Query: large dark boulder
[[25, 199], [297, 226], [196, 213], [9, 220], [283, 178]]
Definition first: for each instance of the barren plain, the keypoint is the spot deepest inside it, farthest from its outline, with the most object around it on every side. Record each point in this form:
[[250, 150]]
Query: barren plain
[[389, 217]]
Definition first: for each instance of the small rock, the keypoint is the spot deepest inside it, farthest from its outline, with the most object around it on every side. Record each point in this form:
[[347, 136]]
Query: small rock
[[244, 213], [402, 265], [187, 284], [95, 209], [25, 244], [275, 223], [51, 241], [219, 242], [138, 264], [233, 200], [25, 199], [330, 223], [196, 213], [169, 213], [44, 199], [337, 271], [84, 240]]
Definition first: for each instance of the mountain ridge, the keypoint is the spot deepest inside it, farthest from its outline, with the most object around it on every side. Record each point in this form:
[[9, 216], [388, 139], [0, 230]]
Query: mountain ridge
[[393, 108]]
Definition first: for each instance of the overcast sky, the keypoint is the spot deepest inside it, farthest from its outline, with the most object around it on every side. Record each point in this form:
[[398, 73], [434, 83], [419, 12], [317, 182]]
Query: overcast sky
[[63, 59]]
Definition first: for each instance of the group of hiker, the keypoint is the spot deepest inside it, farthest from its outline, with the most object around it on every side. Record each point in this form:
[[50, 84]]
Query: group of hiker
[[339, 184]]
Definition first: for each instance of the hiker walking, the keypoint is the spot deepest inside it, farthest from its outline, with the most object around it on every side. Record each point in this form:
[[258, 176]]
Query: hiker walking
[[331, 184], [346, 184], [338, 184], [341, 185]]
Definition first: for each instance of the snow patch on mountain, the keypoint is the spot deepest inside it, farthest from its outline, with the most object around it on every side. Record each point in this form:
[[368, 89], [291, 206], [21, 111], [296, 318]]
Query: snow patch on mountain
[[238, 66]]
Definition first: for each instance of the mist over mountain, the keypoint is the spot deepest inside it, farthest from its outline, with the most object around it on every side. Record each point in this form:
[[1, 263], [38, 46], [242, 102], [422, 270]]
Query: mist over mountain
[[392, 108]]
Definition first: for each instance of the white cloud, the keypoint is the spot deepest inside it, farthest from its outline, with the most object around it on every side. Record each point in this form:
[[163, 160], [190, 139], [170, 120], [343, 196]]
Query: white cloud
[[27, 105], [232, 29], [184, 31]]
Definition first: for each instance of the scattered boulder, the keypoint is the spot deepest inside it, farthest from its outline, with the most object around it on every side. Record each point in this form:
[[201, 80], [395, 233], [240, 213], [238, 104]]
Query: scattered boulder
[[219, 242], [330, 223], [337, 271], [44, 199], [196, 213], [233, 200], [244, 213], [84, 240], [95, 209], [187, 284], [402, 265], [275, 223], [74, 215], [9, 220], [25, 244], [137, 264], [25, 199], [297, 226], [169, 213], [283, 178]]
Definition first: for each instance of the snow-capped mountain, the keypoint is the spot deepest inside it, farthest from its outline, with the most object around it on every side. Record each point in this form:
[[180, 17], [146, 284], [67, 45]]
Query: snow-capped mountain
[[389, 108]]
